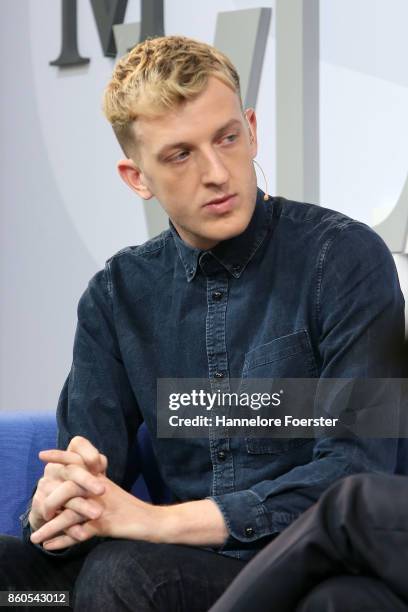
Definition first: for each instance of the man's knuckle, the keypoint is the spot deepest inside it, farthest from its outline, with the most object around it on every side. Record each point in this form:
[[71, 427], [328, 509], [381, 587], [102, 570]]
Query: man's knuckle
[[42, 483], [68, 487], [49, 469], [80, 535], [73, 504], [36, 506], [71, 532], [67, 472], [70, 515], [78, 441]]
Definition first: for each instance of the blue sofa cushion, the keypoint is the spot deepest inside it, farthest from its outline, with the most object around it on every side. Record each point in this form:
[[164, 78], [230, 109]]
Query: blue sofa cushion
[[22, 436]]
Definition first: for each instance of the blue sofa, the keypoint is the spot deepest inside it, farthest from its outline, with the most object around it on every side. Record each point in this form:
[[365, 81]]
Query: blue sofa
[[23, 435]]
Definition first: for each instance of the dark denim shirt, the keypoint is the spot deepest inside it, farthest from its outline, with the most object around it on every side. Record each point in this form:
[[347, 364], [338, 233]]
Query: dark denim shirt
[[304, 292]]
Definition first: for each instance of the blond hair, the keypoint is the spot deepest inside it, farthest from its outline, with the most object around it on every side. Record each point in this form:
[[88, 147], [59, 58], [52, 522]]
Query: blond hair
[[159, 74]]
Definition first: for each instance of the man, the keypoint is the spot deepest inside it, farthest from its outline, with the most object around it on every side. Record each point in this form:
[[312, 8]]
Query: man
[[239, 286]]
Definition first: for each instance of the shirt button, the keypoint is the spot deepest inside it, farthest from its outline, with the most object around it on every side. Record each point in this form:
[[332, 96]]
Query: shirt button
[[219, 375], [217, 295], [222, 455], [249, 531]]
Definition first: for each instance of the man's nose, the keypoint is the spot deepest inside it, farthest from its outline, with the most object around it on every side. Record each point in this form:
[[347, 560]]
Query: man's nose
[[213, 170]]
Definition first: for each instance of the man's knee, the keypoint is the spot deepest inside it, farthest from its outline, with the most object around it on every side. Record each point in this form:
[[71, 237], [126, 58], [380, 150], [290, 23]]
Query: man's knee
[[143, 576], [119, 574]]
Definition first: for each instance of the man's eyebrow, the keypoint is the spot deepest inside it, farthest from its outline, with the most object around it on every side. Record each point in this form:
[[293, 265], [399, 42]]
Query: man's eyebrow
[[186, 145]]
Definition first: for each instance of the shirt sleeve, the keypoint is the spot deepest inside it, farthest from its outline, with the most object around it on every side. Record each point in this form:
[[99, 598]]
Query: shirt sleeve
[[359, 315], [97, 401]]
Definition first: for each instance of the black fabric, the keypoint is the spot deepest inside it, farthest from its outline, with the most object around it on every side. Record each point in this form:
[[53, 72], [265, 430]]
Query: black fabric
[[118, 575], [358, 529], [351, 594]]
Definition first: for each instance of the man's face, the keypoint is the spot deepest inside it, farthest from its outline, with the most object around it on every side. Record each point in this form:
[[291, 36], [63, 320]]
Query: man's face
[[197, 161]]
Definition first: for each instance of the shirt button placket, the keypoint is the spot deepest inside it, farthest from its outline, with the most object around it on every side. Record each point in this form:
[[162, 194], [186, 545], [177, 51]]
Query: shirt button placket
[[217, 292]]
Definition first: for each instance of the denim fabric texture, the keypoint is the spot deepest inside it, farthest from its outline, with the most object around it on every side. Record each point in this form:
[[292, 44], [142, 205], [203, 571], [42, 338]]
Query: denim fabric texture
[[304, 292]]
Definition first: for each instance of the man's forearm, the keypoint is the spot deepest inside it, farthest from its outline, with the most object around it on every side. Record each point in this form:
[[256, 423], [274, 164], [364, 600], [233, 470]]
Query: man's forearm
[[195, 523]]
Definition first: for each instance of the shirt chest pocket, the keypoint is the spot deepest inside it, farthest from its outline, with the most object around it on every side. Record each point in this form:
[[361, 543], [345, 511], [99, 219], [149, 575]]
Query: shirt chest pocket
[[289, 356]]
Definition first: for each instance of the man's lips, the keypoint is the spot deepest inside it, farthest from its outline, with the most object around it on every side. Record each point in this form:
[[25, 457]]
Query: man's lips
[[222, 205], [220, 200]]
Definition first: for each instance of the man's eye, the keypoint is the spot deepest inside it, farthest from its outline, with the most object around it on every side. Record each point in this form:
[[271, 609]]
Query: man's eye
[[230, 138], [179, 157]]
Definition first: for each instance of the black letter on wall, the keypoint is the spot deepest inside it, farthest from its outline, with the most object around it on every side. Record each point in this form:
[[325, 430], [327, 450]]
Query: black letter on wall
[[69, 55], [152, 19], [108, 13]]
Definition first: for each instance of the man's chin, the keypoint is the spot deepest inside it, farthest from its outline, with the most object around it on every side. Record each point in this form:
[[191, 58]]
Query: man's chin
[[230, 230]]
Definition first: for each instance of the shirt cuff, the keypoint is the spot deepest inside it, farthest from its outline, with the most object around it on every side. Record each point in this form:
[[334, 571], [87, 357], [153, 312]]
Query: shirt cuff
[[25, 526], [245, 517]]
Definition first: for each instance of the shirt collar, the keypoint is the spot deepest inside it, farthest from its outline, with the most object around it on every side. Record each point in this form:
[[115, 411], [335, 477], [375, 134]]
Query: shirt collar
[[234, 253]]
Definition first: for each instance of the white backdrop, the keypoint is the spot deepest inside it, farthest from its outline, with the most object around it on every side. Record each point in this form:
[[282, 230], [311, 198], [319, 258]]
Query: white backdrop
[[64, 210]]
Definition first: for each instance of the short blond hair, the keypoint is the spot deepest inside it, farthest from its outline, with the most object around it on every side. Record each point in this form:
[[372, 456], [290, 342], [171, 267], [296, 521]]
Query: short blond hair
[[159, 74]]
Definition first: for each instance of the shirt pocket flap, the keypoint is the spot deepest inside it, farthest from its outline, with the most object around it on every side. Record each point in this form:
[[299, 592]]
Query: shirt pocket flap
[[278, 349]]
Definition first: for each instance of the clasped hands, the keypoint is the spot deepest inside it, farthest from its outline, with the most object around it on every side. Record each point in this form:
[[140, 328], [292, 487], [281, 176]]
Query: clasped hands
[[75, 501]]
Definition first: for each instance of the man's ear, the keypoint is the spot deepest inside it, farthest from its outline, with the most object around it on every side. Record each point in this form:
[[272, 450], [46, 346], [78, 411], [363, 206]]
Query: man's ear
[[250, 116], [134, 178]]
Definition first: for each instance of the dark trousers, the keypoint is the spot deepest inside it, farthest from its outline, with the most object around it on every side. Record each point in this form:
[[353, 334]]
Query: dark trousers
[[121, 575], [347, 553]]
